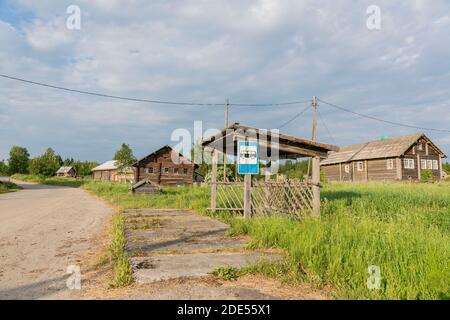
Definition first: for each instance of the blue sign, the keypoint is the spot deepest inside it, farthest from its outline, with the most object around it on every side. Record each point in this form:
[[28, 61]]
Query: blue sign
[[248, 157]]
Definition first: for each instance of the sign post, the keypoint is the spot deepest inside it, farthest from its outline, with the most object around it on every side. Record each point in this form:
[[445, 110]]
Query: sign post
[[248, 164]]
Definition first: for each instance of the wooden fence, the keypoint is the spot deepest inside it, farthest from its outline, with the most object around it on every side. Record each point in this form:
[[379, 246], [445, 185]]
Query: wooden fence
[[288, 197]]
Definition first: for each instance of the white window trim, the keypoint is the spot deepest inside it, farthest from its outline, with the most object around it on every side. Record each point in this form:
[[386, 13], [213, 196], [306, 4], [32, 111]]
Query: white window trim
[[347, 168], [390, 164], [429, 164], [435, 165], [360, 166], [408, 163], [423, 164]]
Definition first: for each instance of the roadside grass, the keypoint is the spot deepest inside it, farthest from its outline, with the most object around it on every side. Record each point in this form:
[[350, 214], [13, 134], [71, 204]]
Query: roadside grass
[[402, 228], [122, 268], [6, 186]]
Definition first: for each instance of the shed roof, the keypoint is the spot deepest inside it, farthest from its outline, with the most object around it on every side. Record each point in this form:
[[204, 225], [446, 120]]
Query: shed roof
[[64, 169], [108, 165], [287, 146], [388, 148]]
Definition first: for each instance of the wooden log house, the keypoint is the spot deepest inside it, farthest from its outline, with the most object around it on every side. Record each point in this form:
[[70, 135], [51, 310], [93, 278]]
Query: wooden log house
[[165, 167], [398, 158], [66, 172]]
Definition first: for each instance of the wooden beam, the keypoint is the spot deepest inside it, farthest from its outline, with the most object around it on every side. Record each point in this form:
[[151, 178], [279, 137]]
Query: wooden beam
[[418, 167], [247, 195], [340, 171], [366, 170], [399, 168], [316, 185], [440, 167], [214, 180]]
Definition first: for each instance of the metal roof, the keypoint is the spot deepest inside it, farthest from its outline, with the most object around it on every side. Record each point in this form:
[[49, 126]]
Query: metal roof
[[64, 169], [389, 148]]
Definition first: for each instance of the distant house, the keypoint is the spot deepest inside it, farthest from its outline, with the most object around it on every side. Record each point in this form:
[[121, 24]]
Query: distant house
[[66, 172], [166, 167], [110, 171], [399, 158]]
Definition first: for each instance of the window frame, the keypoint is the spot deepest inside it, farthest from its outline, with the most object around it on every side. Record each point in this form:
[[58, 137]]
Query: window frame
[[166, 170], [185, 171], [435, 165], [390, 164], [360, 166], [409, 163], [347, 168]]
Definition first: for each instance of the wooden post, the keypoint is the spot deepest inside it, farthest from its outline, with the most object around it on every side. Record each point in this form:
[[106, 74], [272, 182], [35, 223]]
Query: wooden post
[[340, 172], [440, 167], [418, 167], [366, 170], [136, 174], [399, 169], [247, 195], [316, 185], [214, 181]]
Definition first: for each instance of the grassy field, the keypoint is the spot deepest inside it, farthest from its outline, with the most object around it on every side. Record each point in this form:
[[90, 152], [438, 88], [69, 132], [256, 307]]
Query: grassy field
[[402, 228], [8, 187]]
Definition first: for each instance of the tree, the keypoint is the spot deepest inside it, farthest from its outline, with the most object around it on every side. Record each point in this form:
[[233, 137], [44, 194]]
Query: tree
[[124, 157], [83, 168], [3, 168], [18, 160], [46, 164]]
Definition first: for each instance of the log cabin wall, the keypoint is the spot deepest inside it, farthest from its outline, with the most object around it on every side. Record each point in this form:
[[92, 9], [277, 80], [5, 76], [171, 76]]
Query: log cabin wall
[[426, 158], [160, 169], [382, 169]]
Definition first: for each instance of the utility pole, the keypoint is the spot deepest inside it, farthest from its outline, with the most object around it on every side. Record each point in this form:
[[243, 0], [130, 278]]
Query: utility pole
[[314, 130], [225, 151]]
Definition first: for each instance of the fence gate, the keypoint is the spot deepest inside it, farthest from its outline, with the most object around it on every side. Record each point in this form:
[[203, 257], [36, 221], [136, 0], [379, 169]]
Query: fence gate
[[288, 197]]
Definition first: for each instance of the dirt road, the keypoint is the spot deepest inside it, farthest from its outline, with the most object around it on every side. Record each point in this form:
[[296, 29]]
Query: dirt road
[[43, 230]]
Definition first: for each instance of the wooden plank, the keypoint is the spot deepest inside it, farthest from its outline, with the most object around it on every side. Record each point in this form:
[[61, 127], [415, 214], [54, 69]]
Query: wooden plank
[[316, 187], [214, 180], [247, 195]]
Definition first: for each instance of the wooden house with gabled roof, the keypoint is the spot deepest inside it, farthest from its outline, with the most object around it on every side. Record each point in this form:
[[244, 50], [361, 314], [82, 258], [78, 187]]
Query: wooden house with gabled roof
[[398, 158], [165, 167]]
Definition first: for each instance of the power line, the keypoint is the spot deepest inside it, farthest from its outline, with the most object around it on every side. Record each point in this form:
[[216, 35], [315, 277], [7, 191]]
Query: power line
[[103, 95], [382, 120], [325, 126], [294, 117]]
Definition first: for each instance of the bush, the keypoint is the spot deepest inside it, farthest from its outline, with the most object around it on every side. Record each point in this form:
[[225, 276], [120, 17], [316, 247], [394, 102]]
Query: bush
[[426, 175]]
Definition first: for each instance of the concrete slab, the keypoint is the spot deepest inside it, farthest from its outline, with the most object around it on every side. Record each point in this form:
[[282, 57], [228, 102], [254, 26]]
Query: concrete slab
[[181, 244], [165, 267]]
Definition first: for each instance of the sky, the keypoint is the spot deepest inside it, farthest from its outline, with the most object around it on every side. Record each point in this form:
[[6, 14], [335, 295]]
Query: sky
[[255, 51]]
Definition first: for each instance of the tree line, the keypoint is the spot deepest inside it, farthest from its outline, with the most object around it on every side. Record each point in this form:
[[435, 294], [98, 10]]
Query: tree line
[[49, 162], [45, 164]]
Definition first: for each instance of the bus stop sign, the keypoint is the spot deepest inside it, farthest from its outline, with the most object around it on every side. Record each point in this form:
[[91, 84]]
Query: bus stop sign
[[248, 157]]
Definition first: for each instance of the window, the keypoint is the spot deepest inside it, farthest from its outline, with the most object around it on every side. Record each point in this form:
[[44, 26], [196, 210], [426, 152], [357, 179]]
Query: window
[[420, 146], [408, 163], [166, 170], [145, 170], [430, 164], [185, 171], [435, 165], [423, 164], [360, 165], [150, 170], [390, 164], [347, 168], [175, 170]]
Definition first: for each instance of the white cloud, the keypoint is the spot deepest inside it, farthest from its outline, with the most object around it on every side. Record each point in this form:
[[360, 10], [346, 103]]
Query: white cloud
[[198, 50]]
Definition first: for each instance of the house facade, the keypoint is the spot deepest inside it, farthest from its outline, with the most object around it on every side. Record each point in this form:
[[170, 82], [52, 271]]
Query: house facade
[[399, 158], [165, 167], [109, 171], [66, 172]]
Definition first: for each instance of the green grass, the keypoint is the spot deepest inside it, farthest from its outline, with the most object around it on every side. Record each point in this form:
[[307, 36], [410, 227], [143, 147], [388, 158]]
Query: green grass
[[226, 273], [403, 228], [8, 187], [122, 268]]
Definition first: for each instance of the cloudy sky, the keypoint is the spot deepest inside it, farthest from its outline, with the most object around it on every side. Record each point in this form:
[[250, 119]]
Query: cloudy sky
[[255, 51]]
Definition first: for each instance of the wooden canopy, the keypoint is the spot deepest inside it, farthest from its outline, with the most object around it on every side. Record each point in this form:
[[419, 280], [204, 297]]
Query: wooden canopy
[[269, 142]]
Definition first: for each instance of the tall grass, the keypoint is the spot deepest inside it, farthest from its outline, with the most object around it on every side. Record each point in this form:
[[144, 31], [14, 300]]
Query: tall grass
[[8, 187], [402, 228]]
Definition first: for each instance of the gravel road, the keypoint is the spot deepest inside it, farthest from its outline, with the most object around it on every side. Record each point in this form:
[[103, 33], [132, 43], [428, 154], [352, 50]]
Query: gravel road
[[43, 230]]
